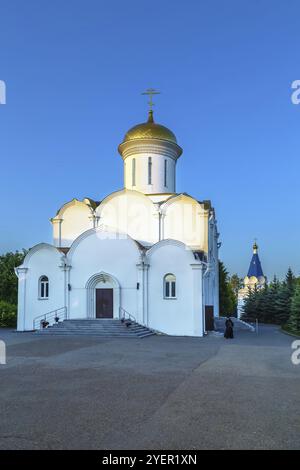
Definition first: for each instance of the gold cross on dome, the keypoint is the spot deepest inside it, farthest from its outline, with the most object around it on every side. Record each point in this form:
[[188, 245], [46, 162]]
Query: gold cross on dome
[[150, 92]]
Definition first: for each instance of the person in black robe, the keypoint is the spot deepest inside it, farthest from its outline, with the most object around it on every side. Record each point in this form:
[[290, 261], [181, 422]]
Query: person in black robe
[[228, 328]]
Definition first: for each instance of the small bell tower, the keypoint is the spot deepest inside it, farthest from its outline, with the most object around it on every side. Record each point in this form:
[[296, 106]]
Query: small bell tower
[[255, 278]]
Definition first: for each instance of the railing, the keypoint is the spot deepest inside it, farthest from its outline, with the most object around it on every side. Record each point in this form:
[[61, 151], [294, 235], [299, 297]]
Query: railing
[[124, 315], [50, 318]]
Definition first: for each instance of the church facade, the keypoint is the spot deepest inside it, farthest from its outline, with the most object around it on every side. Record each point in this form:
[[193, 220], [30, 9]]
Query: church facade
[[145, 251]]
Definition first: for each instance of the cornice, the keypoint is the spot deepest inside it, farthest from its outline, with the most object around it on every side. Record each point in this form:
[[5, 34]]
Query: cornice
[[156, 146]]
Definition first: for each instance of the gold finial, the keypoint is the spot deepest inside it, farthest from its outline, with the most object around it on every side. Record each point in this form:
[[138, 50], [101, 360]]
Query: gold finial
[[255, 246], [150, 92], [150, 116]]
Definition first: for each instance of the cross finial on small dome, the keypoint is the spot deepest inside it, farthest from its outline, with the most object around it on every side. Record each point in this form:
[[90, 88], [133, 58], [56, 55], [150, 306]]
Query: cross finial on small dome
[[150, 92]]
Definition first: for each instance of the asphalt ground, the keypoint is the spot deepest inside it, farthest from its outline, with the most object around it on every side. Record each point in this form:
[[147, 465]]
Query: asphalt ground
[[155, 393]]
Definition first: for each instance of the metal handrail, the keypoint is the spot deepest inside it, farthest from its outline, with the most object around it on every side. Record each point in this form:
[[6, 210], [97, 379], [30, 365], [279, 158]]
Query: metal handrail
[[123, 314], [61, 313]]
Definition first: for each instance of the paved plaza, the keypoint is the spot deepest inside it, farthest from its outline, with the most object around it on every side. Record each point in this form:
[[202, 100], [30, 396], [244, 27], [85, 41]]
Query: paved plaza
[[155, 393]]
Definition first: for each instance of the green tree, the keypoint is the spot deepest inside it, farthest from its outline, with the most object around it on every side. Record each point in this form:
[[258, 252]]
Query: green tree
[[226, 294], [282, 304], [272, 303], [249, 307], [268, 309], [262, 303], [236, 283], [293, 323], [8, 315], [290, 281], [8, 278]]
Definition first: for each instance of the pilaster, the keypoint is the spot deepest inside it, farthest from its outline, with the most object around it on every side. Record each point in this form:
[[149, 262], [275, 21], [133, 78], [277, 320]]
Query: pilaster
[[21, 272], [66, 270], [56, 222], [143, 288]]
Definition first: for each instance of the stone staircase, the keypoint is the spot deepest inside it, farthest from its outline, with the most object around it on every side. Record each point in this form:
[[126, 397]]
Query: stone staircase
[[238, 324], [108, 328]]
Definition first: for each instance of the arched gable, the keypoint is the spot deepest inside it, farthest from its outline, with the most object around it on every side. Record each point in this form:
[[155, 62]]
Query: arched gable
[[73, 218], [170, 243], [89, 203], [104, 233], [186, 220], [182, 198], [130, 212], [39, 248]]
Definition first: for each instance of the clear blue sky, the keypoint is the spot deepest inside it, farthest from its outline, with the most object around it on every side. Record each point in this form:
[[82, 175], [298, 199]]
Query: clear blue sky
[[74, 72]]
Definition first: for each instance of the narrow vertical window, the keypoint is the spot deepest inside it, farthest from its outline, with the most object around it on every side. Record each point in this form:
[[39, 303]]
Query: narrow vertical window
[[173, 289], [43, 287], [149, 170], [165, 178], [133, 172]]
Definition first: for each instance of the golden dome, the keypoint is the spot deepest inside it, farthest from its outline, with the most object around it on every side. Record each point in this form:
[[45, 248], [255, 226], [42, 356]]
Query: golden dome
[[150, 130]]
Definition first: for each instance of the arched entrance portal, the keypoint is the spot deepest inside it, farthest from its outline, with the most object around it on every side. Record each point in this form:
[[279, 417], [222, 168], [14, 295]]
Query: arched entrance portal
[[103, 296]]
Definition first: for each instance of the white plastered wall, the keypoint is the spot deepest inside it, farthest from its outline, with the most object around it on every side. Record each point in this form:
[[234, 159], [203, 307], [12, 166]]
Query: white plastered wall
[[42, 260], [182, 316], [99, 252]]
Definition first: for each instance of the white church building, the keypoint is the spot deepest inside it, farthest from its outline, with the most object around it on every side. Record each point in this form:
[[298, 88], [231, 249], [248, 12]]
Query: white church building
[[144, 252]]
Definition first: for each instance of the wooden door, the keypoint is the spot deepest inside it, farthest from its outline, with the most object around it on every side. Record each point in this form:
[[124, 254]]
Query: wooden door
[[104, 303]]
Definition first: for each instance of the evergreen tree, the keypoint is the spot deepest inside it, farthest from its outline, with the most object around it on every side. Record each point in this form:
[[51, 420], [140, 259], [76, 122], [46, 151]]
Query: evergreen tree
[[290, 281], [232, 300], [250, 304], [262, 303], [236, 283], [273, 303], [270, 298], [227, 302], [294, 320], [282, 304]]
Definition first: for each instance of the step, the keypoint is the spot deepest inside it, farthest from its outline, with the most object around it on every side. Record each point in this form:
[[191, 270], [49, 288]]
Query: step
[[102, 335], [97, 327], [91, 330], [85, 328]]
